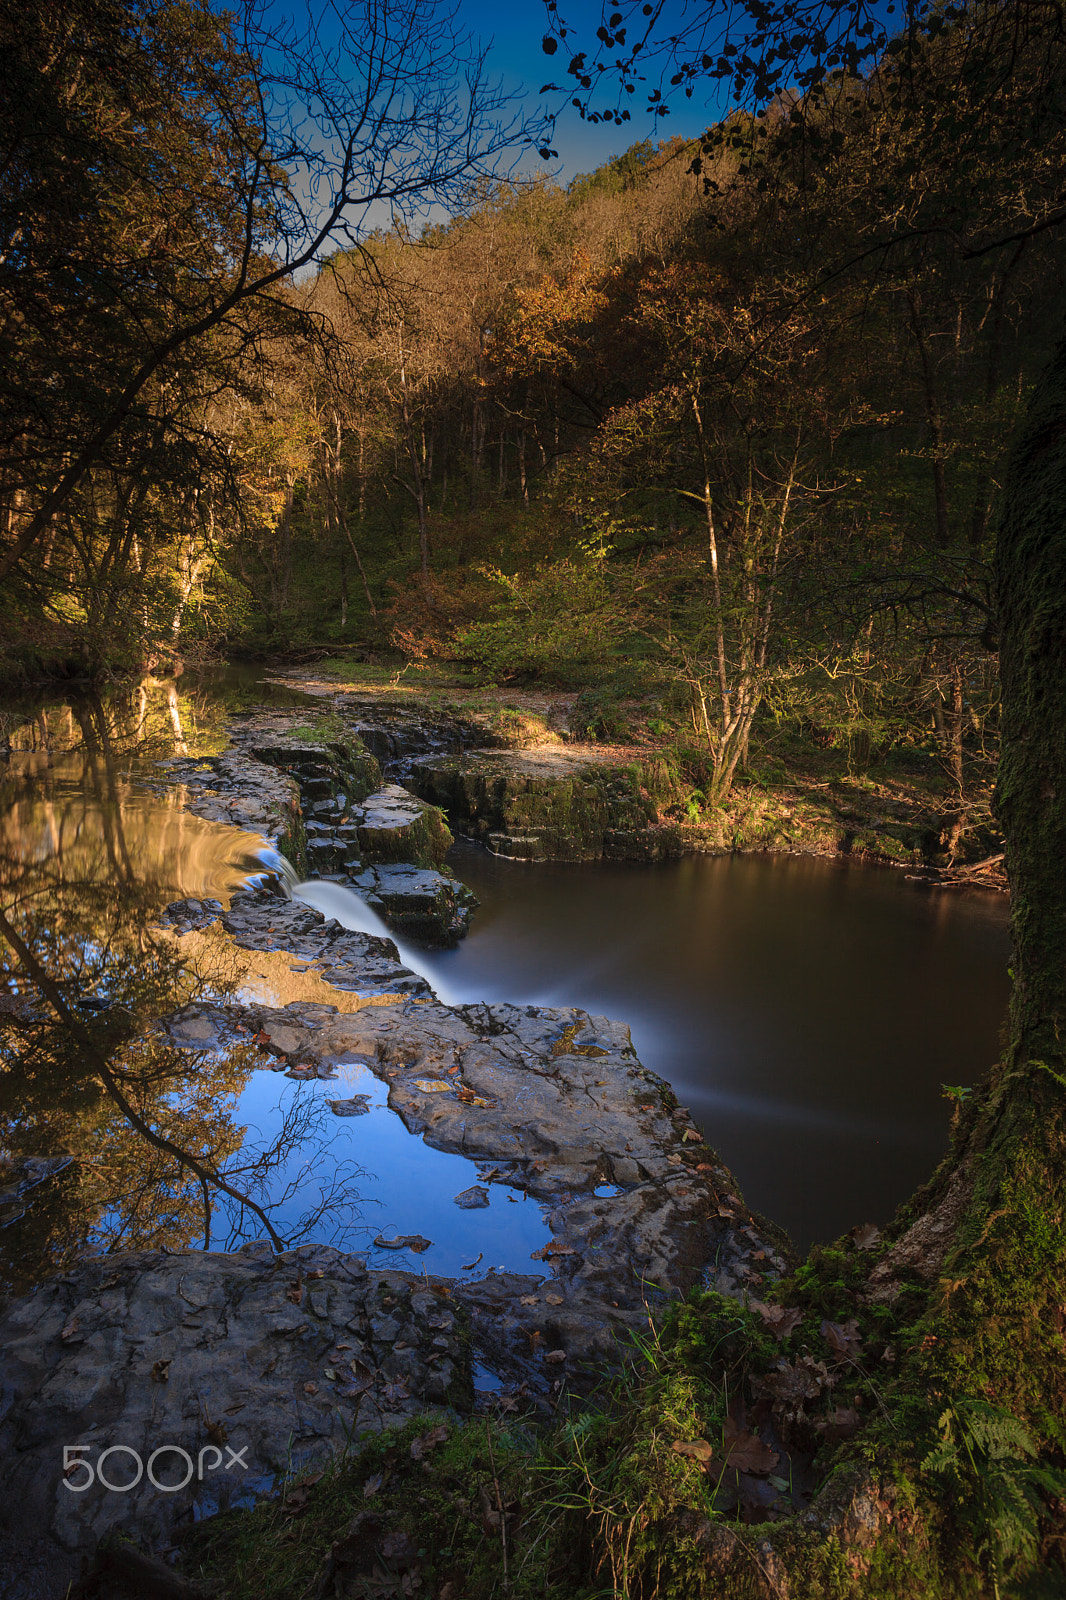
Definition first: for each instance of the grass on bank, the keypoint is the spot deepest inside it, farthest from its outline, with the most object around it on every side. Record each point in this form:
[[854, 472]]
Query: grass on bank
[[695, 1474]]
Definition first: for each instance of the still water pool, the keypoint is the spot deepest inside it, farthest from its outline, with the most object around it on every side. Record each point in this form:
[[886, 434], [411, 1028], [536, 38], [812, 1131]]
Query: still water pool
[[808, 1012]]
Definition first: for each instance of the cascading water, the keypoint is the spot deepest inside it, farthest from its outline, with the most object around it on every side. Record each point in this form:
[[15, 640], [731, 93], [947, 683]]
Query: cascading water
[[340, 902]]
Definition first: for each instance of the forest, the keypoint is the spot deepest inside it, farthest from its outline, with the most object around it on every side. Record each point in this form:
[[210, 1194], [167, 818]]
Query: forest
[[718, 427], [754, 440]]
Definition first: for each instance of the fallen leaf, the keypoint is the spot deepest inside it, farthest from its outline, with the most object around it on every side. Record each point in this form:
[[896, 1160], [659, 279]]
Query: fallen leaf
[[780, 1320], [161, 1369], [554, 1299], [310, 1388], [843, 1339], [319, 1272], [527, 1299], [452, 1070], [468, 1266], [295, 1292], [329, 1372], [428, 1441], [695, 1449], [866, 1235], [553, 1248], [675, 1161], [398, 1547], [691, 1135], [469, 1098], [372, 1485], [746, 1452], [555, 1357], [69, 1332], [790, 1385], [432, 1085], [361, 1380], [397, 1390]]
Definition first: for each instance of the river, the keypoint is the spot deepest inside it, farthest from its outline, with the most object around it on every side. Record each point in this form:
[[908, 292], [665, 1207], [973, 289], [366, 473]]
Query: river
[[808, 1012]]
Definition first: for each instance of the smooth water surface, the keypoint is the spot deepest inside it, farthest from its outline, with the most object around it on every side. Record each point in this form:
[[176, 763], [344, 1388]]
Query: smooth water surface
[[808, 1012]]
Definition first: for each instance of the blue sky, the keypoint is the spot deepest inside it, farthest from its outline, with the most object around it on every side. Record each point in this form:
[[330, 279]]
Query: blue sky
[[515, 28]]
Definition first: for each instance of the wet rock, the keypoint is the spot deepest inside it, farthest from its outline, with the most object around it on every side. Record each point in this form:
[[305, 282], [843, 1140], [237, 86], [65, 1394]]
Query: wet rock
[[238, 789], [353, 962], [418, 903], [328, 769], [472, 1199], [551, 804], [244, 1362], [357, 1106], [395, 826]]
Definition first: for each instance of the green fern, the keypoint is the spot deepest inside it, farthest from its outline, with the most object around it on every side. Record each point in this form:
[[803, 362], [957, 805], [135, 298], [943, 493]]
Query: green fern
[[988, 1460]]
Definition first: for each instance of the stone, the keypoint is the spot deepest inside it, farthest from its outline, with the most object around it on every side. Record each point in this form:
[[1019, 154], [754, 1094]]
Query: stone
[[472, 1199], [357, 1106], [549, 804], [395, 826], [245, 1393], [417, 902]]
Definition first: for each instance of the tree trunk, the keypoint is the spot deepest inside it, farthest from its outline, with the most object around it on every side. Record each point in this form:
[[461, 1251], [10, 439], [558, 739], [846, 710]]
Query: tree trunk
[[1031, 784], [933, 420]]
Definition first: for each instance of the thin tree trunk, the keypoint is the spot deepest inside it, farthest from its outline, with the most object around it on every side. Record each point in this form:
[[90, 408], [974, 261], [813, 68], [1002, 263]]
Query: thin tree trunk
[[933, 421]]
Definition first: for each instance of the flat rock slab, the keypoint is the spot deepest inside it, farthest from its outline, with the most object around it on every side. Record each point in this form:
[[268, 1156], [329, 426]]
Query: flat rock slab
[[359, 963], [392, 825], [550, 804], [252, 1364], [429, 907], [553, 1104]]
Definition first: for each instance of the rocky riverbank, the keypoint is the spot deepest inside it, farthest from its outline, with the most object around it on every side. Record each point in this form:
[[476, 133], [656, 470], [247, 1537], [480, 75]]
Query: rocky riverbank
[[282, 1360]]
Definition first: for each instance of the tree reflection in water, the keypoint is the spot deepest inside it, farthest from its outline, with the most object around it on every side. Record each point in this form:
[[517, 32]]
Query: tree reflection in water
[[88, 1070]]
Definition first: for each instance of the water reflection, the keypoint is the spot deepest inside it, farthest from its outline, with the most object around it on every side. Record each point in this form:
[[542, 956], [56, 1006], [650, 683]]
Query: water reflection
[[113, 1134]]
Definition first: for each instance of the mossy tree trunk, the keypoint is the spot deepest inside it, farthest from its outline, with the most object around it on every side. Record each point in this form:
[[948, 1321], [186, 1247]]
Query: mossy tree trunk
[[1031, 788], [993, 1331]]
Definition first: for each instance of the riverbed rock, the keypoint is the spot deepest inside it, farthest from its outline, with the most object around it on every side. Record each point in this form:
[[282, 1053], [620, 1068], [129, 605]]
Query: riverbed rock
[[393, 825], [252, 1364], [357, 1106], [238, 789], [427, 907], [549, 804], [359, 963]]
